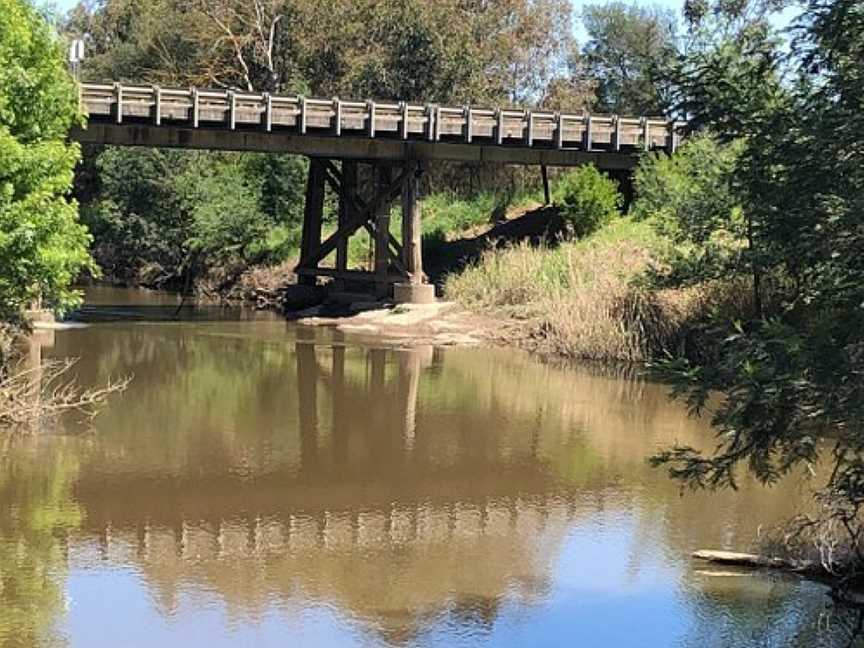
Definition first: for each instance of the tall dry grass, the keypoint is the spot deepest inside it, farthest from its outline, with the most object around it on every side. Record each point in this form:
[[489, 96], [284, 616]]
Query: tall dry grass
[[584, 299]]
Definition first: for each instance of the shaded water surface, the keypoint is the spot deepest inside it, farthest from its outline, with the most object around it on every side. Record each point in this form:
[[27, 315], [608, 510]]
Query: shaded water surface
[[260, 484]]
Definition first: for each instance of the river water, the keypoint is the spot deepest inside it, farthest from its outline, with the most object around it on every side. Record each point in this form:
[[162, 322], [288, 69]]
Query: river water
[[262, 484]]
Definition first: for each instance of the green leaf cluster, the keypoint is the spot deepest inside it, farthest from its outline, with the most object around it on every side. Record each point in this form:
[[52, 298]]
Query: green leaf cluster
[[43, 247], [792, 375], [691, 199], [160, 214]]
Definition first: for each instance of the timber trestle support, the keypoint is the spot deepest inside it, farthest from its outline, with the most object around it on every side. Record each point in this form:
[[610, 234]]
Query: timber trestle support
[[395, 261]]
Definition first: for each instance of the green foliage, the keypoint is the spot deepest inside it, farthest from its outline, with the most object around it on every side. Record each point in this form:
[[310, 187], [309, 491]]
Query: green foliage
[[691, 200], [629, 53], [161, 214], [223, 207], [588, 199], [445, 214], [793, 379], [43, 247]]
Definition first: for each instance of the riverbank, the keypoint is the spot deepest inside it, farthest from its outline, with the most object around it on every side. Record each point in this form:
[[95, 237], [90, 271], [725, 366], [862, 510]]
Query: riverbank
[[515, 283]]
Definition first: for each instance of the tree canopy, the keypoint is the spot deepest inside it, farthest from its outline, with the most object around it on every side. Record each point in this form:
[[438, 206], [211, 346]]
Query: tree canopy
[[43, 247], [793, 373]]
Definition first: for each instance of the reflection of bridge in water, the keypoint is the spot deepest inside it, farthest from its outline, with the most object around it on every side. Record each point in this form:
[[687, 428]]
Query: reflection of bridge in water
[[408, 491], [375, 517], [337, 530]]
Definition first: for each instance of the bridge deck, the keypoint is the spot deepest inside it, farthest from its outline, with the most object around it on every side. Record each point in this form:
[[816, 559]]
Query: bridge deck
[[207, 119]]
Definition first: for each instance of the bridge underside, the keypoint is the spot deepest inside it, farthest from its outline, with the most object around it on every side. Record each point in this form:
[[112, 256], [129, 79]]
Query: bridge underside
[[344, 148]]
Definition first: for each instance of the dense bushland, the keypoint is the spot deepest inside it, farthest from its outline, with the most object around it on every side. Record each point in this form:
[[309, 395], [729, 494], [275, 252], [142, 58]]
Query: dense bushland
[[160, 216]]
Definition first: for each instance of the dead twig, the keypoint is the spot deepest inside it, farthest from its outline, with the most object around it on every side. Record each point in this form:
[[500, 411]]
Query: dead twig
[[30, 396]]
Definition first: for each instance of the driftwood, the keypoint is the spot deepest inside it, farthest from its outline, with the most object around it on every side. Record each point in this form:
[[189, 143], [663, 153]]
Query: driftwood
[[753, 561]]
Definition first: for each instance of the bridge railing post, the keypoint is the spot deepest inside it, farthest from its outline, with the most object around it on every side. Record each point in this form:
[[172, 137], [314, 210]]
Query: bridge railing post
[[157, 105], [196, 107], [118, 102]]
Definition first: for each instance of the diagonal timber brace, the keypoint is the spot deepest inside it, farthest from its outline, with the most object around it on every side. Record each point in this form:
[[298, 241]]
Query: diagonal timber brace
[[357, 205], [313, 255]]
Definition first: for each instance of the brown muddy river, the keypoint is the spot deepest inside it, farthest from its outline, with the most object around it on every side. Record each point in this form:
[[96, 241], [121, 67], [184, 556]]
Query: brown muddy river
[[261, 484]]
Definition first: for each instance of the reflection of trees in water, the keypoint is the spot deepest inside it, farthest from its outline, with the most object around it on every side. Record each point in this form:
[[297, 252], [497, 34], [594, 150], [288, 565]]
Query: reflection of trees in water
[[781, 611], [36, 510], [406, 487]]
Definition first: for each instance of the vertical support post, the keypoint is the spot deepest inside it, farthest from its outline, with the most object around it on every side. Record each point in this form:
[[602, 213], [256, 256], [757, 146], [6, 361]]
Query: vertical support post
[[337, 117], [313, 214], [403, 114], [412, 249], [430, 122], [382, 235], [546, 194], [370, 127], [559, 130], [588, 134], [302, 124], [232, 110], [346, 195]]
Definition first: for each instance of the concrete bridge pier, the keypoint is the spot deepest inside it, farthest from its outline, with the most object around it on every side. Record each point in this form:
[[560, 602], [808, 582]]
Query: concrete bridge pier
[[397, 268]]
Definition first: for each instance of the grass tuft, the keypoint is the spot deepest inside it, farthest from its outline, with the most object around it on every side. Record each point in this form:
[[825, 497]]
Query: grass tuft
[[585, 299]]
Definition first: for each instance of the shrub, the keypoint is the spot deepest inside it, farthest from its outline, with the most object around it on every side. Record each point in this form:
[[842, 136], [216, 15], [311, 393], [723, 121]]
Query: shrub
[[588, 200], [689, 195], [690, 199]]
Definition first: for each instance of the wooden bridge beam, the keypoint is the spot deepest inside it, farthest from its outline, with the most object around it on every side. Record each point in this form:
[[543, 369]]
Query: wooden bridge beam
[[313, 217], [347, 189], [358, 219], [412, 244], [405, 259], [382, 232]]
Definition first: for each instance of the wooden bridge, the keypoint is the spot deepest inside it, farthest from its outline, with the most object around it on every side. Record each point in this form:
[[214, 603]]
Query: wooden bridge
[[396, 138]]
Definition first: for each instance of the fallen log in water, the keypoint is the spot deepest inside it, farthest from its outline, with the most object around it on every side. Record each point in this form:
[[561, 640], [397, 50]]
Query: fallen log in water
[[740, 559], [843, 590]]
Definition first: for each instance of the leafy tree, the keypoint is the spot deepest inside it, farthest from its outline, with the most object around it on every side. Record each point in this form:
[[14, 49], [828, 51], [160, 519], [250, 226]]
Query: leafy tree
[[630, 51], [43, 247], [163, 216], [794, 379], [224, 207]]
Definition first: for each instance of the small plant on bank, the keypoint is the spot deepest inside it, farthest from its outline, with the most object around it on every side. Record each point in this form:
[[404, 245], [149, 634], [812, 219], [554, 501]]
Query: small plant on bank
[[588, 200]]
